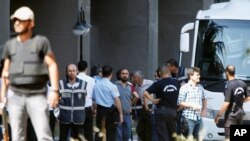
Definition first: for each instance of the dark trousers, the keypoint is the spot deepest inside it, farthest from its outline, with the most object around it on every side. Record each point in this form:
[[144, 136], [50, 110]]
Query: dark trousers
[[105, 122], [166, 125], [153, 123], [52, 123], [144, 127], [88, 124], [74, 130]]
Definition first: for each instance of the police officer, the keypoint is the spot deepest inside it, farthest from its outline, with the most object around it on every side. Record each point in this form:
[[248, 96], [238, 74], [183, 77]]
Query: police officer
[[105, 99], [235, 93], [166, 91], [72, 104]]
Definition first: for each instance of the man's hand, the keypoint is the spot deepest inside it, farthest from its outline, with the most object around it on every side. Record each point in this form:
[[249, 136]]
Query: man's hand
[[156, 101], [3, 100], [1, 107], [53, 99], [203, 112], [121, 118], [196, 106], [216, 119]]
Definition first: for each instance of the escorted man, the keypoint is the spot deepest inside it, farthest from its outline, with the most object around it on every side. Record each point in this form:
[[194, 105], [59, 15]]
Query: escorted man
[[166, 90], [236, 93], [72, 104], [96, 72], [107, 105], [178, 72], [193, 102], [28, 60], [88, 125], [142, 110], [127, 96]]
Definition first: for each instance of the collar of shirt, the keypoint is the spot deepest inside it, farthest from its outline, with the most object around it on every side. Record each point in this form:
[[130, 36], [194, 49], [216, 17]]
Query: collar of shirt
[[120, 83], [76, 84], [81, 73]]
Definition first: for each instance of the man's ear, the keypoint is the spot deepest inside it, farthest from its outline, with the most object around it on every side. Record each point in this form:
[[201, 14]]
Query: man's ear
[[32, 24]]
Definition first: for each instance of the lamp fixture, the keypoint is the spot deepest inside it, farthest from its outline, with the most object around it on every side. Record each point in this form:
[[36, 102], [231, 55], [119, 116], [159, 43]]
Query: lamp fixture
[[81, 25]]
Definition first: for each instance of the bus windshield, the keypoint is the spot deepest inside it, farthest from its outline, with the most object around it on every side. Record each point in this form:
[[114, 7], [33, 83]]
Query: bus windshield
[[220, 43]]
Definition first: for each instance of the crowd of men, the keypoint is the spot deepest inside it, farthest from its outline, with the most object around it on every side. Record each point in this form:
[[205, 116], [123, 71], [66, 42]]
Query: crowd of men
[[30, 71]]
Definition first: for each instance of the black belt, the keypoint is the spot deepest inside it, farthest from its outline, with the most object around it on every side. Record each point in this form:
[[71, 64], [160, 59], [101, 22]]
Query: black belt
[[102, 107]]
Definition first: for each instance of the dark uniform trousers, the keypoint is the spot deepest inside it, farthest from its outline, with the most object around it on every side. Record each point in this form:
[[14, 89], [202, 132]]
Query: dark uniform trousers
[[76, 131], [106, 123], [144, 125], [88, 124], [165, 123]]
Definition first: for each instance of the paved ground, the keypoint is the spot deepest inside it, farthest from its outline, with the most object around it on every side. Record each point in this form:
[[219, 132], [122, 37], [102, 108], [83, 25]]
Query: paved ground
[[135, 137]]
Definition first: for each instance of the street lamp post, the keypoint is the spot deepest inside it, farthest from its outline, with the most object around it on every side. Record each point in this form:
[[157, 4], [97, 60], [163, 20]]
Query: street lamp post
[[81, 47], [81, 27]]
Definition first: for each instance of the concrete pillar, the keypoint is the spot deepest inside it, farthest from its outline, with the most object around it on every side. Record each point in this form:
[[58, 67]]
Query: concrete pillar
[[153, 38], [4, 22]]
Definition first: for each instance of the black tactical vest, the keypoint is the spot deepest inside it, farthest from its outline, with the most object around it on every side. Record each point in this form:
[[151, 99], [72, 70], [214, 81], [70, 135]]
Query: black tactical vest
[[27, 63]]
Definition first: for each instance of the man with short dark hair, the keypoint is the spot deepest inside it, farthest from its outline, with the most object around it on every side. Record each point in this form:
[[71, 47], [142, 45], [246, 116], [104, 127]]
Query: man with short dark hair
[[236, 93], [96, 72], [177, 71], [106, 99], [88, 125]]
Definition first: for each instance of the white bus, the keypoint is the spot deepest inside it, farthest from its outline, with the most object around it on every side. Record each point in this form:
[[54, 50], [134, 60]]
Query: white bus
[[221, 37]]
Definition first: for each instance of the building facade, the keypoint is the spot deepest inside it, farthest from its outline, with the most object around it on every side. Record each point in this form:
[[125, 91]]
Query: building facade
[[139, 35]]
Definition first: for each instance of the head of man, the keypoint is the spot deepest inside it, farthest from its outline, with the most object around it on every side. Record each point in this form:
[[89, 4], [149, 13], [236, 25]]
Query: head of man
[[230, 72], [82, 66], [193, 74], [124, 75], [137, 78], [96, 70], [173, 67], [23, 19], [107, 71], [71, 72], [164, 72], [157, 74]]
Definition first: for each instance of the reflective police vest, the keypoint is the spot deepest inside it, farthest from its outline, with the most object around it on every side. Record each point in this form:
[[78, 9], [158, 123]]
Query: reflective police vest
[[27, 63], [72, 102]]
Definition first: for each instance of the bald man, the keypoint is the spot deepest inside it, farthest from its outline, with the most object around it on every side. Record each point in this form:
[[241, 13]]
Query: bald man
[[236, 94], [72, 104]]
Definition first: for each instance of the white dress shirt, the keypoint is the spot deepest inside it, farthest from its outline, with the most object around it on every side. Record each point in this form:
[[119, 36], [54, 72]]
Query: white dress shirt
[[90, 85]]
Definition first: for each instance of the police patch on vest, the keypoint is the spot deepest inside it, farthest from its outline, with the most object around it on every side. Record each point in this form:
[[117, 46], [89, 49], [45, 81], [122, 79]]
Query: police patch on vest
[[66, 95], [79, 96]]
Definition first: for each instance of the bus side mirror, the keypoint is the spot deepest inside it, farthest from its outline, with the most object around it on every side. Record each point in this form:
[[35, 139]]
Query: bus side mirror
[[184, 39], [184, 42]]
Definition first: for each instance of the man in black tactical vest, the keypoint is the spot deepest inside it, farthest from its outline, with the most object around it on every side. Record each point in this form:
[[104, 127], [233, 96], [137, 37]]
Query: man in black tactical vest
[[28, 63]]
